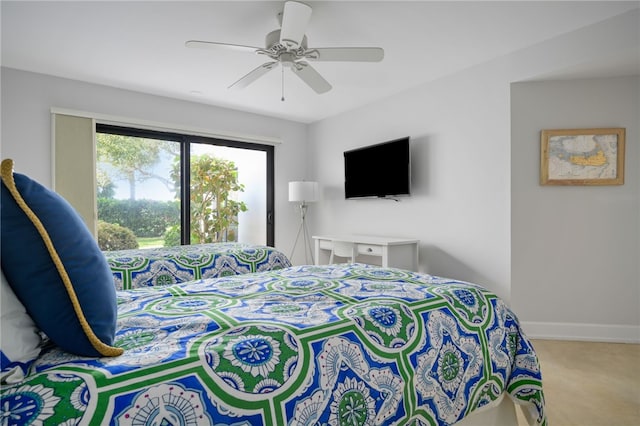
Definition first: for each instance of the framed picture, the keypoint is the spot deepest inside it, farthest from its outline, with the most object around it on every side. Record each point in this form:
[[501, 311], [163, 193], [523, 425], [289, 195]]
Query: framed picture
[[582, 157]]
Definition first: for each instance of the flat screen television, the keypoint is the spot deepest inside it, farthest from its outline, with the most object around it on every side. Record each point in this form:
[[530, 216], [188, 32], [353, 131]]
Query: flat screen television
[[381, 170]]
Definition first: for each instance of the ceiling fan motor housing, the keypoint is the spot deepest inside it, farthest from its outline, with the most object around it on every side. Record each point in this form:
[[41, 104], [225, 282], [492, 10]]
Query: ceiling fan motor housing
[[275, 48]]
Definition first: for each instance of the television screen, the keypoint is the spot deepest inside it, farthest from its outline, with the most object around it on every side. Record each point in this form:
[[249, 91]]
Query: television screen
[[380, 170]]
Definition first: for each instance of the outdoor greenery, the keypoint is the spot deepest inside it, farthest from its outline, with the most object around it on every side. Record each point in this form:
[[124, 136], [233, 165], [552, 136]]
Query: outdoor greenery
[[146, 218], [172, 236], [132, 158], [115, 237], [151, 242], [214, 214], [214, 183]]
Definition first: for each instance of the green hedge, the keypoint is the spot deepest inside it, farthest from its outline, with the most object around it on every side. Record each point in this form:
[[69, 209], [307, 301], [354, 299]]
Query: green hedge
[[115, 237], [146, 218]]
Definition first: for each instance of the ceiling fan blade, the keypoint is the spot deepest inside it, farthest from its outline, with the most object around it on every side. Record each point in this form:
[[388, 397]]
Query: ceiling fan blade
[[309, 75], [199, 44], [347, 54], [252, 76], [295, 18]]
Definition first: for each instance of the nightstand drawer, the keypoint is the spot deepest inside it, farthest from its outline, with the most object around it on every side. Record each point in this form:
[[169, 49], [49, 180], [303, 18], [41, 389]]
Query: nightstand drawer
[[370, 249]]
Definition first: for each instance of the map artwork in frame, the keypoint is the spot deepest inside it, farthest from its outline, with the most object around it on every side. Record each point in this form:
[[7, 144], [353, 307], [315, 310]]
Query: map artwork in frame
[[582, 156]]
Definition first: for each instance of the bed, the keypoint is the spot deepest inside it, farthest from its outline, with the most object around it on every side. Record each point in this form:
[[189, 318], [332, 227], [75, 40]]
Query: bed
[[329, 345], [173, 265]]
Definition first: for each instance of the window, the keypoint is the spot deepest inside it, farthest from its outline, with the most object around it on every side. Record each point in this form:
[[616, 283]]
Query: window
[[169, 189]]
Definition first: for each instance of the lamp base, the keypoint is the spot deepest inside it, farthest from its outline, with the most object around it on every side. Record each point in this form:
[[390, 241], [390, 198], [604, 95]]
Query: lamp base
[[302, 229]]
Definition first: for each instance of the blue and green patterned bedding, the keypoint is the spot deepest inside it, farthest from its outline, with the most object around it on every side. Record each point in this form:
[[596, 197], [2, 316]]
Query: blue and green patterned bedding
[[173, 265], [326, 345]]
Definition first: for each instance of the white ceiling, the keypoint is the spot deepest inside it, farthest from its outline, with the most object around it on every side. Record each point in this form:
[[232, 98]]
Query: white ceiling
[[140, 45]]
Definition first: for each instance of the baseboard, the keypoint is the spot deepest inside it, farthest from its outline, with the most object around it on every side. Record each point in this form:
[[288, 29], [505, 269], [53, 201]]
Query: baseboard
[[612, 333]]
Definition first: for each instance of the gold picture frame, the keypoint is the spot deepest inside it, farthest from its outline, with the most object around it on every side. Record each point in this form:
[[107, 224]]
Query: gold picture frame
[[582, 156]]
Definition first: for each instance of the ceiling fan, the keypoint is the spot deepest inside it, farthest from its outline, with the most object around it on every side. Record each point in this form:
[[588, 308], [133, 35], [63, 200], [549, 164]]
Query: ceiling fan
[[287, 47]]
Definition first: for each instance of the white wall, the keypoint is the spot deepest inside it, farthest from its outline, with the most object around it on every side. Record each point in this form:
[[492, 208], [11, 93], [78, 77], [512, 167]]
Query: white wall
[[575, 249], [461, 208], [27, 99]]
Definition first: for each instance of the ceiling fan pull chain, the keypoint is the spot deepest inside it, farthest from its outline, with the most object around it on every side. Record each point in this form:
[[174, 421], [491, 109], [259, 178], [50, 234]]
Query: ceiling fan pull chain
[[282, 99]]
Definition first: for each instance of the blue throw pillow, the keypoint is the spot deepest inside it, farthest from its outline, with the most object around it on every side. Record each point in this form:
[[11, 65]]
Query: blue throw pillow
[[55, 267]]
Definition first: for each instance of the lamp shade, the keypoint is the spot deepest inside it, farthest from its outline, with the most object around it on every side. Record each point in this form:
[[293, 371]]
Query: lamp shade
[[302, 191]]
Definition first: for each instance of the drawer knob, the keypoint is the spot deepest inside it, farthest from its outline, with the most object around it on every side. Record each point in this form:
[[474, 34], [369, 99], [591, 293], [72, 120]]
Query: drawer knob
[[369, 249]]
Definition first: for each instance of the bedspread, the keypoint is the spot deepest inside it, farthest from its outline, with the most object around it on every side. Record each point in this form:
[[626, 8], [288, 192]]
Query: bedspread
[[336, 344], [173, 265]]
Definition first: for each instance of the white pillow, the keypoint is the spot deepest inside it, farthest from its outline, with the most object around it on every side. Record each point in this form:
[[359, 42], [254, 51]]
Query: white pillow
[[19, 338]]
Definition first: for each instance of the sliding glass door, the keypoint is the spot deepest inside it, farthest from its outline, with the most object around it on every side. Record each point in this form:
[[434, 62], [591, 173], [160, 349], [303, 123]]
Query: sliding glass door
[[169, 189]]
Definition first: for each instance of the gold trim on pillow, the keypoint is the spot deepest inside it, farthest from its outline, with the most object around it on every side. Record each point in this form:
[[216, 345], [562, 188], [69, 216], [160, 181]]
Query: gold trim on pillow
[[7, 177]]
